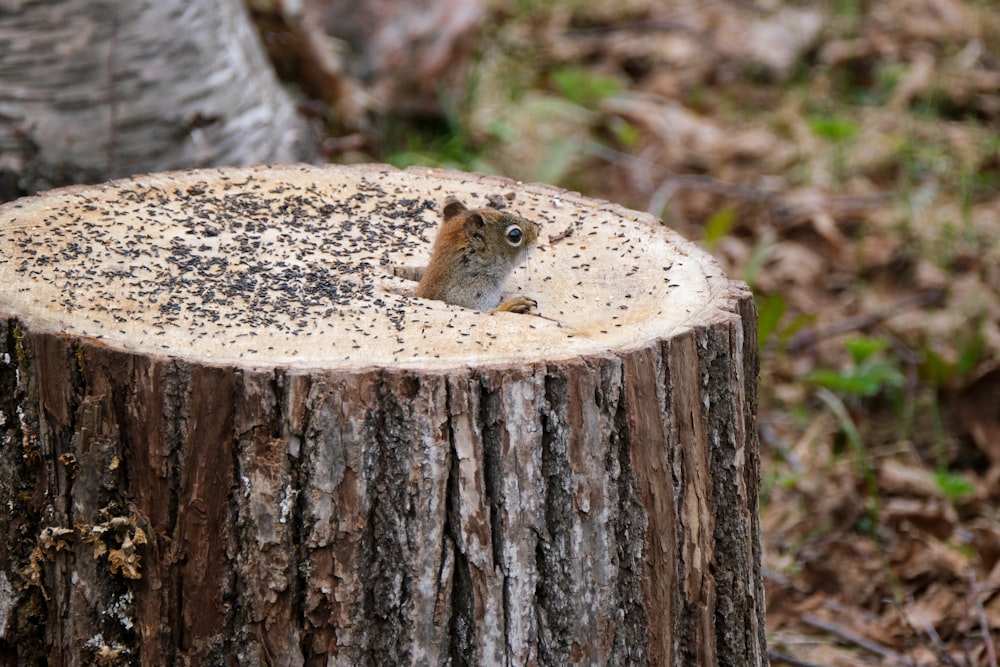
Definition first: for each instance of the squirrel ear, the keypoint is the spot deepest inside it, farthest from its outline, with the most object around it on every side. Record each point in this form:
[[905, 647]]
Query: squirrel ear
[[473, 227], [452, 207]]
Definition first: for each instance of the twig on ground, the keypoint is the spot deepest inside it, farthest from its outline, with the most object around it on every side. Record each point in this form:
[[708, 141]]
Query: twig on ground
[[675, 182], [645, 26], [809, 337], [984, 626], [672, 181], [777, 657], [936, 644], [852, 637], [787, 214], [784, 212]]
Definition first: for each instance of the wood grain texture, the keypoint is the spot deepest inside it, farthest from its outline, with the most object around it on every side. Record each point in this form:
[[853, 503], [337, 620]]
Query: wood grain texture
[[557, 496]]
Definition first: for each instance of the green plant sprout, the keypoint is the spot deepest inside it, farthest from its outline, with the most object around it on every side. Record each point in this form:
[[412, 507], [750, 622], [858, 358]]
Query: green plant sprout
[[940, 372], [861, 456], [839, 132], [759, 257], [772, 328], [584, 87], [770, 311], [718, 226], [953, 485], [868, 374]]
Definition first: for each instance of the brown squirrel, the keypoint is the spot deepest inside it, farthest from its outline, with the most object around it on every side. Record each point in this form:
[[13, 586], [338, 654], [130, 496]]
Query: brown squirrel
[[474, 252]]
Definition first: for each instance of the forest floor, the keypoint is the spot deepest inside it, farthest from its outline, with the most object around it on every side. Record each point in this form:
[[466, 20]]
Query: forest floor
[[843, 158]]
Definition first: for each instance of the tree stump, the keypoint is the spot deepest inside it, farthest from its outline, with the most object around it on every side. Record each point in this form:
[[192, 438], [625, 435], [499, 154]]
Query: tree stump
[[230, 436]]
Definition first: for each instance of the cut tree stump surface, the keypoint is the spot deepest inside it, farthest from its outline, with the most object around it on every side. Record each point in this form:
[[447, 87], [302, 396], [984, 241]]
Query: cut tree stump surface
[[229, 434], [294, 265]]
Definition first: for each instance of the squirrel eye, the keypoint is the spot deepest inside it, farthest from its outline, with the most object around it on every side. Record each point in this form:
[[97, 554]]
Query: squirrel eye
[[514, 235]]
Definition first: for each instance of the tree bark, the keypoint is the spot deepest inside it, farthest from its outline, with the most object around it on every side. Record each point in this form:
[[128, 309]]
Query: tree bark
[[228, 434], [96, 89]]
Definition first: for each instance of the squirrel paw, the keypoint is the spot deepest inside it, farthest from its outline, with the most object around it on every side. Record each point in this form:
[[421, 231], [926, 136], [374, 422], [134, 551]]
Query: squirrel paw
[[519, 304]]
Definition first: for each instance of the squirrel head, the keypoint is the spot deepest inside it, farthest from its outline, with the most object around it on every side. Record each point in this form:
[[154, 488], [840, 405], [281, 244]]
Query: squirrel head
[[473, 253], [489, 232]]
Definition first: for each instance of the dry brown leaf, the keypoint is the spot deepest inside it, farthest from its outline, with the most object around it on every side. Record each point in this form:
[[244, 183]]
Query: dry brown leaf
[[778, 40], [986, 539], [977, 408], [792, 263], [992, 610], [848, 567], [938, 20], [923, 558], [932, 515], [938, 609], [896, 477], [689, 139], [917, 79], [827, 653], [928, 275]]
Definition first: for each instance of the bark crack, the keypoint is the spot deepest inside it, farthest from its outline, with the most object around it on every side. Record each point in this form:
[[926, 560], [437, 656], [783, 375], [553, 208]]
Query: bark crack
[[493, 431], [385, 544], [462, 622], [553, 551], [630, 641]]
